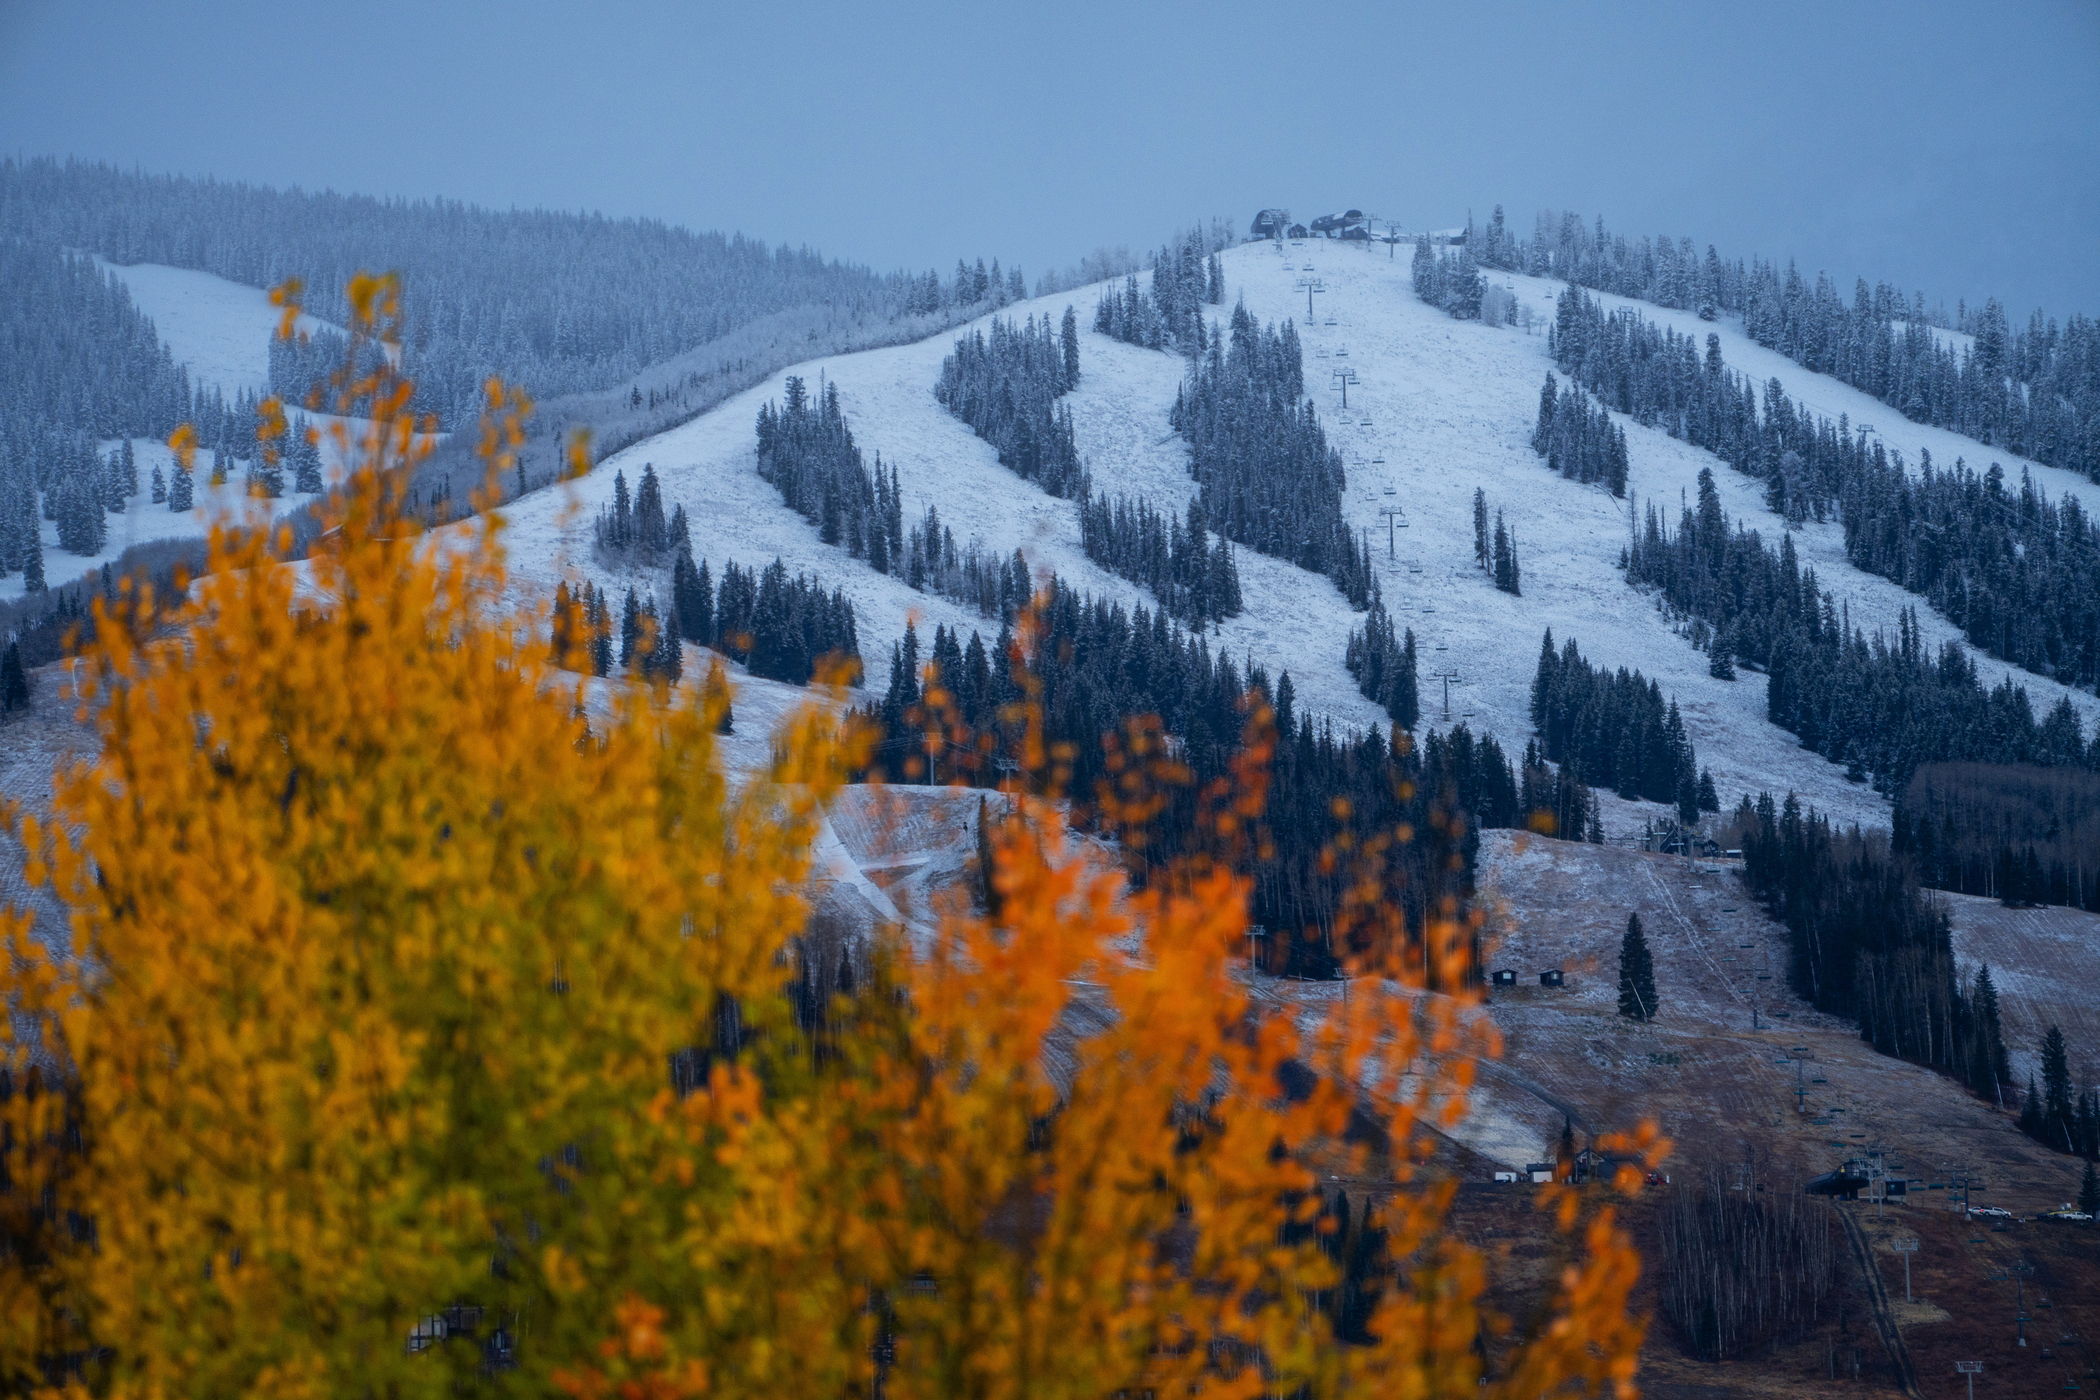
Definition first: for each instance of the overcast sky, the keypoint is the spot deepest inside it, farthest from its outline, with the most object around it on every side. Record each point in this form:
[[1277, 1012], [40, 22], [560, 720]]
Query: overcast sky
[[1947, 145]]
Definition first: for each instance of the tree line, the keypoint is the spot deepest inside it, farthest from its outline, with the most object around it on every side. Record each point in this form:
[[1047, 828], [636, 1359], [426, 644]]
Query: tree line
[[2015, 833], [1102, 668], [780, 626], [1880, 706], [806, 450], [2056, 1112], [82, 367], [1194, 576], [1264, 471], [2033, 390], [1578, 439], [1614, 730], [1867, 941], [609, 296], [1186, 277], [1006, 385], [2018, 574]]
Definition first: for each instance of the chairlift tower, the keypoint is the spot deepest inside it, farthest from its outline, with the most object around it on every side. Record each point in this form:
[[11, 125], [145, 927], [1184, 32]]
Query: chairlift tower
[[1343, 378], [1969, 1370], [1906, 1246], [1449, 678], [1395, 516], [1309, 285]]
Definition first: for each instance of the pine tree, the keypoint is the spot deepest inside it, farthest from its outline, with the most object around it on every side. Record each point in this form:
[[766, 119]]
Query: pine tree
[[160, 487], [180, 489], [630, 628], [1068, 335], [2057, 1113], [1637, 999], [1720, 662], [2089, 1191], [14, 681], [2032, 1121], [1481, 556], [1507, 576]]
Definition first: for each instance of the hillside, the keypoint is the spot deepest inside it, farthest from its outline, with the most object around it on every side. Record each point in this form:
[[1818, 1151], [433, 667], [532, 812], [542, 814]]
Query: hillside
[[1442, 407]]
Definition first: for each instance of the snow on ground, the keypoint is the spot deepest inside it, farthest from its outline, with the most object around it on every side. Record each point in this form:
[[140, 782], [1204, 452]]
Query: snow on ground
[[1452, 405], [1294, 619], [1443, 407], [2041, 961], [1440, 408], [219, 330], [1825, 395]]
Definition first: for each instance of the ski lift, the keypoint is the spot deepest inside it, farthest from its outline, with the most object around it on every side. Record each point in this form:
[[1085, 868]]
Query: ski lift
[[1388, 490], [1367, 423], [1378, 461], [1343, 350], [1332, 322]]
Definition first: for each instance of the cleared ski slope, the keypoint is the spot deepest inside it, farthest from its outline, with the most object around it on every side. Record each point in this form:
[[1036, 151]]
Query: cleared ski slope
[[1440, 407]]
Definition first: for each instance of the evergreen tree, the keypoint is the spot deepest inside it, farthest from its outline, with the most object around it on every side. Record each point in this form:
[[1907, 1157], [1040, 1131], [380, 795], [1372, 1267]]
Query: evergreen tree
[[2058, 1122], [1006, 384], [2089, 1191], [630, 628], [1637, 999], [160, 487], [1507, 575], [180, 490], [14, 681]]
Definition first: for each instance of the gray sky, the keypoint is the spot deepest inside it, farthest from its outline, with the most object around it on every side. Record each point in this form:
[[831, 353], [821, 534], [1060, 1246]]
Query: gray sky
[[1949, 145]]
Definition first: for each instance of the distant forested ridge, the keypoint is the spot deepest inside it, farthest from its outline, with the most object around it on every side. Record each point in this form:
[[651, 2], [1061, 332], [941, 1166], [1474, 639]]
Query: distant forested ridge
[[2032, 389], [559, 302]]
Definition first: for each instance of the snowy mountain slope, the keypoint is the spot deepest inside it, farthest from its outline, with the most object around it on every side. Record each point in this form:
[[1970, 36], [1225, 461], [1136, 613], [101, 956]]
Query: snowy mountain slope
[[1822, 394], [1448, 406], [1453, 404], [1294, 619], [218, 330], [142, 521]]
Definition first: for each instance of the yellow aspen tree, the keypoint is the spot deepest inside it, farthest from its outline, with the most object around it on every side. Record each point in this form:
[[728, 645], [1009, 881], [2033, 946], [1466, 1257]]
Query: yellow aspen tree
[[381, 954]]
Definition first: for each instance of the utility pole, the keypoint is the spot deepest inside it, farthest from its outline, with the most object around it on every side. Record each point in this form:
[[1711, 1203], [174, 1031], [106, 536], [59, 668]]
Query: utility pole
[[1906, 1246], [1391, 514]]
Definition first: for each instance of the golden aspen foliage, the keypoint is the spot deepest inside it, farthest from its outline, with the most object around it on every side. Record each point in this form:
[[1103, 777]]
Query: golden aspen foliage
[[382, 955]]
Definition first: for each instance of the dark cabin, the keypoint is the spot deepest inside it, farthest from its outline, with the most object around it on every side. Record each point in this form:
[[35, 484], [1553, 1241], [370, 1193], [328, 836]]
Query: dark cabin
[[1506, 977], [1551, 977]]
